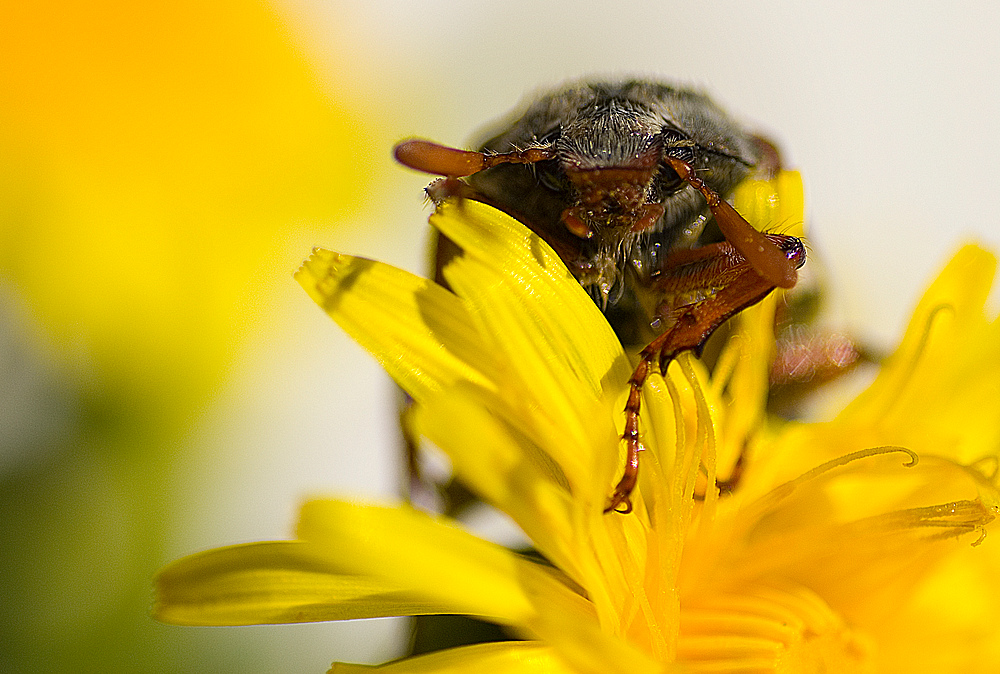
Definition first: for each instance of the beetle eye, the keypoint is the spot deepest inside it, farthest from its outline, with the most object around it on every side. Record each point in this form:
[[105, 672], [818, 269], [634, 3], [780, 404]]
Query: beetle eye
[[682, 152], [677, 146]]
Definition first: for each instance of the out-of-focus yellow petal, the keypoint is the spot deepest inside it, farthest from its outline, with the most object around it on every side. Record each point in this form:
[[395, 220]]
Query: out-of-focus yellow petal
[[776, 205], [418, 331], [511, 657], [939, 393], [949, 622], [278, 582]]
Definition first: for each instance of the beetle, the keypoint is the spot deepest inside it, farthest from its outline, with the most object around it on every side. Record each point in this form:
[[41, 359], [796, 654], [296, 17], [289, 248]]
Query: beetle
[[627, 181]]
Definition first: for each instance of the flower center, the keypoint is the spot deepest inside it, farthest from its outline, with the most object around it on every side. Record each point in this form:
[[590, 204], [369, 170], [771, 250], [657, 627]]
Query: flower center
[[765, 629]]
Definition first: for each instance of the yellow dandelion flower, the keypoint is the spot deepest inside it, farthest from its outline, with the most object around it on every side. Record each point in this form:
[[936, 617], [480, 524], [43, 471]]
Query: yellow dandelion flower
[[846, 547]]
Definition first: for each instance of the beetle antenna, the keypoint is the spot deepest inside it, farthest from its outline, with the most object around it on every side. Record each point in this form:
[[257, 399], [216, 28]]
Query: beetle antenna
[[442, 160]]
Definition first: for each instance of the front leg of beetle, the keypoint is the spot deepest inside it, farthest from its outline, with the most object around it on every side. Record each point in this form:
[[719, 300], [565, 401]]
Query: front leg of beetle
[[725, 284]]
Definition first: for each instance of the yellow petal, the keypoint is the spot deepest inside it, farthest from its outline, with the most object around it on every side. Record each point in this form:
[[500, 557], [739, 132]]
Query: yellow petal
[[419, 332], [537, 278], [501, 465], [279, 582], [430, 556], [772, 205], [560, 353], [949, 623], [513, 657], [441, 564], [540, 381]]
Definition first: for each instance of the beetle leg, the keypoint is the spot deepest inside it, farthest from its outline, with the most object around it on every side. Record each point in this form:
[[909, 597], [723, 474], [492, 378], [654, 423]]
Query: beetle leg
[[754, 246], [723, 283], [619, 501]]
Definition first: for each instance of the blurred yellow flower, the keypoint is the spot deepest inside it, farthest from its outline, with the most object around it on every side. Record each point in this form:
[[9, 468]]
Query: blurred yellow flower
[[847, 546], [156, 159], [149, 159]]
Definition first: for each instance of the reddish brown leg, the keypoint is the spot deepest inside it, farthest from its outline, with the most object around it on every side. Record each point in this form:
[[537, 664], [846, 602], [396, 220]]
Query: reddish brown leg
[[765, 257], [619, 501], [729, 284]]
